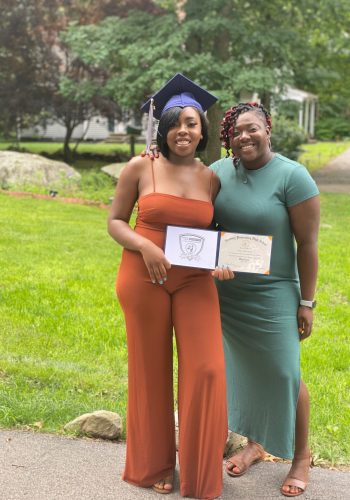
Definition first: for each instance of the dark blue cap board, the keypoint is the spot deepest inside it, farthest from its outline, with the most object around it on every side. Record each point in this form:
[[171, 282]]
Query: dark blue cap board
[[179, 91]]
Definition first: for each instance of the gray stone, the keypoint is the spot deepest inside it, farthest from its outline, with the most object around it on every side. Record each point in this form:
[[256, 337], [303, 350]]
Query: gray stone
[[113, 170], [233, 443], [25, 169], [99, 424]]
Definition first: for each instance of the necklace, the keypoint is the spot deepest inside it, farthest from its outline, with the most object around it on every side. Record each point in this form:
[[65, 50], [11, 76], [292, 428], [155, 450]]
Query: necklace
[[244, 172]]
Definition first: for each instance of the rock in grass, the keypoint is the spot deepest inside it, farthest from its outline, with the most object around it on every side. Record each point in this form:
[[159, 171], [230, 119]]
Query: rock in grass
[[25, 169], [113, 170], [99, 424]]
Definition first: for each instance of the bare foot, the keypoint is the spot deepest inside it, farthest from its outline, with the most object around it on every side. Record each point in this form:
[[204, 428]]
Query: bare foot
[[238, 464]]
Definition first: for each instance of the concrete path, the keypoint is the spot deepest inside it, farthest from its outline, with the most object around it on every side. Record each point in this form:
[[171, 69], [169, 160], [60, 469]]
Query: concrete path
[[335, 176], [37, 466]]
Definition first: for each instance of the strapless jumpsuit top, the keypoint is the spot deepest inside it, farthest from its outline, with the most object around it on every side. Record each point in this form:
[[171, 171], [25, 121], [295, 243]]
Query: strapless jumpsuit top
[[157, 210]]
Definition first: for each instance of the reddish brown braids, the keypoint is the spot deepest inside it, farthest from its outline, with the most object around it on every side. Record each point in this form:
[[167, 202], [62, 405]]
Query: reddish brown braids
[[230, 118]]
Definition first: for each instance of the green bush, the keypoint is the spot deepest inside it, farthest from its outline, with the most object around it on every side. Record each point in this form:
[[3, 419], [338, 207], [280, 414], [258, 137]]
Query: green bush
[[332, 128], [287, 137]]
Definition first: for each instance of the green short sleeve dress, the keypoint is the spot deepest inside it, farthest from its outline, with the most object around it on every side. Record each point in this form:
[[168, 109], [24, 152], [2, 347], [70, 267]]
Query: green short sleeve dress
[[259, 312]]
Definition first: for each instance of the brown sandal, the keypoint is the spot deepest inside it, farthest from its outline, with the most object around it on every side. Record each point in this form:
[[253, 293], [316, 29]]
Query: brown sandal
[[293, 481], [167, 480], [243, 466]]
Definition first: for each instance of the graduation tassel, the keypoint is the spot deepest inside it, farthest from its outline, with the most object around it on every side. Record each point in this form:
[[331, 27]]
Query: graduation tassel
[[149, 128]]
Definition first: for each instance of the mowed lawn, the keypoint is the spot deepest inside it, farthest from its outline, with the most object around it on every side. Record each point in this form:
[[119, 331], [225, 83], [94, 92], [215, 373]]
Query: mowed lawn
[[62, 336]]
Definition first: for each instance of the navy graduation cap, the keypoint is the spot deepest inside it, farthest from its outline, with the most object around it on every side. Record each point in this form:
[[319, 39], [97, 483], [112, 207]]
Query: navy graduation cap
[[178, 91]]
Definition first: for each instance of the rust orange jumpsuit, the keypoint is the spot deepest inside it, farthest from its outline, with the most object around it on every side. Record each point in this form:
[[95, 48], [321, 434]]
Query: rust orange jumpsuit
[[187, 303]]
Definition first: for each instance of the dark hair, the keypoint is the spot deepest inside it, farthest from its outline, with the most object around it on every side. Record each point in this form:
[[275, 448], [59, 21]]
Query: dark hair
[[168, 120], [230, 118]]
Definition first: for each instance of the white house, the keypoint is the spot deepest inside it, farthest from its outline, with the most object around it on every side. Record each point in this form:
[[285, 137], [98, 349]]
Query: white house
[[98, 128], [307, 108]]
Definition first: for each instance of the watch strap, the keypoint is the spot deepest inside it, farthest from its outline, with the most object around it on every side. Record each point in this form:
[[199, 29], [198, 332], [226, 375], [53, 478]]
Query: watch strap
[[308, 303]]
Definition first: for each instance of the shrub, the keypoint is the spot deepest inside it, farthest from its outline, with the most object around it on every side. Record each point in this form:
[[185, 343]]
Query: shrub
[[332, 128], [287, 137]]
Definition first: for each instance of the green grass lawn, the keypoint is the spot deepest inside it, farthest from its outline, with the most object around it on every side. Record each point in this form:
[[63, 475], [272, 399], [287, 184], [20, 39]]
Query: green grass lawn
[[317, 155], [326, 355], [94, 185], [62, 336], [100, 148], [61, 330]]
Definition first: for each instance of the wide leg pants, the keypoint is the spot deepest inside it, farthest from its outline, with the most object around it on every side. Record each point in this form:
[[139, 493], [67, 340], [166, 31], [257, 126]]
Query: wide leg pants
[[187, 304]]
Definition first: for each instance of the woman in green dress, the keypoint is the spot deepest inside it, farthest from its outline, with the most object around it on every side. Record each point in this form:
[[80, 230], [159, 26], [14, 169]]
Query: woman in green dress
[[265, 317]]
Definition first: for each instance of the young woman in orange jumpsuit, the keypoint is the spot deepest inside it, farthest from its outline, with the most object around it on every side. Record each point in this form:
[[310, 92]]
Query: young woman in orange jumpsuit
[[159, 299]]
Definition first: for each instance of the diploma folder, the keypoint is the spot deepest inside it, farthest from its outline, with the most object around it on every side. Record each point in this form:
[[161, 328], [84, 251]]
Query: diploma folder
[[207, 249]]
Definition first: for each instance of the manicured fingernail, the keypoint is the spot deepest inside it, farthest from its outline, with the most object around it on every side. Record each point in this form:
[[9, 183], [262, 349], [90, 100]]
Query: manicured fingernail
[[153, 281], [165, 278], [160, 282]]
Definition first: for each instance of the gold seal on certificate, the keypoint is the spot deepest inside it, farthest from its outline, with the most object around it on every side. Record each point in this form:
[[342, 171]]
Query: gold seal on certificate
[[206, 249]]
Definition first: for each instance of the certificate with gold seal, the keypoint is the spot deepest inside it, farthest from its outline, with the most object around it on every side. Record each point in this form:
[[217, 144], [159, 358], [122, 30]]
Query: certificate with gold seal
[[246, 253], [206, 249]]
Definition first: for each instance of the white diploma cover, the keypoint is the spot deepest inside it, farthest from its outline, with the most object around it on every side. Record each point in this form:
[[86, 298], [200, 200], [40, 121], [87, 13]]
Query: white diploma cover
[[206, 249]]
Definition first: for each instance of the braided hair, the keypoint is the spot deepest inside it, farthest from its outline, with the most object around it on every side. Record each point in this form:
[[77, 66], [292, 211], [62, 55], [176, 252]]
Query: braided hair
[[229, 121]]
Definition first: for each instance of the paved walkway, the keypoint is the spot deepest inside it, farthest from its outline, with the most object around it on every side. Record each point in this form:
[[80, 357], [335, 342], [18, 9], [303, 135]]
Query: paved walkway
[[37, 466], [335, 176]]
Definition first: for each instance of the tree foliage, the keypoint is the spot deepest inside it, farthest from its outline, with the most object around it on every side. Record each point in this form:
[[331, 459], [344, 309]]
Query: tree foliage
[[228, 46], [39, 77], [26, 80], [113, 55]]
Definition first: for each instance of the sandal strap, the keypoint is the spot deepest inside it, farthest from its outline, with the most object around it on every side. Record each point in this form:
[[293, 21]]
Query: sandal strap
[[260, 448], [292, 481], [236, 463]]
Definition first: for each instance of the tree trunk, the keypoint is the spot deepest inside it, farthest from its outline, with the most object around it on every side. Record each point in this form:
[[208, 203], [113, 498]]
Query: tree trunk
[[215, 113], [213, 149], [18, 130], [67, 153]]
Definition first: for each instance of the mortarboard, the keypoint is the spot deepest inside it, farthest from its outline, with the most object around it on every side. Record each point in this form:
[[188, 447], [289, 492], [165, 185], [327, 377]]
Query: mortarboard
[[178, 91]]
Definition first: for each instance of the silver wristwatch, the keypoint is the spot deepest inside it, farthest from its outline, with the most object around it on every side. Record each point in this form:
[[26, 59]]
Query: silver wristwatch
[[308, 303]]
